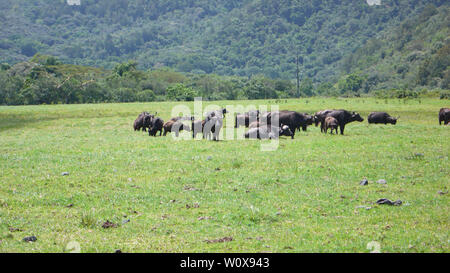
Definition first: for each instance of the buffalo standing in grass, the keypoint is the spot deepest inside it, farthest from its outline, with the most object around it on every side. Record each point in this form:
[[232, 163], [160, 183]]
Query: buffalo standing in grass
[[220, 112], [381, 117], [138, 123], [197, 127], [331, 123], [444, 116], [175, 126], [292, 119], [246, 118], [142, 121], [343, 117], [156, 125], [181, 118], [309, 120], [268, 132], [213, 124]]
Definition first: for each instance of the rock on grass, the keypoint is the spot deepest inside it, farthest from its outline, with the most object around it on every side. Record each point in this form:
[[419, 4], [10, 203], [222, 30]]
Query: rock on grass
[[385, 201], [381, 181], [30, 239], [221, 240], [109, 224], [364, 182]]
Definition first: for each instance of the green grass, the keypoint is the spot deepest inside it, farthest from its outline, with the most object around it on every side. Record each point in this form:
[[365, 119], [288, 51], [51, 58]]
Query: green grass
[[303, 197]]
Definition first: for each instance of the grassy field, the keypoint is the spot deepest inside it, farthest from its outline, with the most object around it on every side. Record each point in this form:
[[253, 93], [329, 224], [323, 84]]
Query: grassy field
[[180, 196]]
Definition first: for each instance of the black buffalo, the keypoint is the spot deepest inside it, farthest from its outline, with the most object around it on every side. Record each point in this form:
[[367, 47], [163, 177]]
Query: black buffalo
[[213, 124], [220, 112], [255, 124], [268, 132], [155, 126], [309, 119], [343, 117], [197, 127], [246, 118], [181, 118], [292, 119], [381, 117], [143, 121], [444, 116]]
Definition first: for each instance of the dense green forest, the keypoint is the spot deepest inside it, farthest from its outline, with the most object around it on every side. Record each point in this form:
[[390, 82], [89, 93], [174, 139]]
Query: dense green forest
[[44, 79], [415, 53], [52, 52]]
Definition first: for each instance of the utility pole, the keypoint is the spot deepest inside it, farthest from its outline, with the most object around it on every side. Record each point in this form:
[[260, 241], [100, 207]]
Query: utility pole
[[298, 75]]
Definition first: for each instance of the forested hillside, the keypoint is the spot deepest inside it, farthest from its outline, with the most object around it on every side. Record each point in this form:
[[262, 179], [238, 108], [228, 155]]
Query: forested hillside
[[226, 37], [414, 53], [144, 50]]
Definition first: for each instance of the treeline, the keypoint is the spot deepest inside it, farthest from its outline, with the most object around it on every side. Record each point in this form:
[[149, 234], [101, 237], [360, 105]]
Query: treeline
[[46, 80]]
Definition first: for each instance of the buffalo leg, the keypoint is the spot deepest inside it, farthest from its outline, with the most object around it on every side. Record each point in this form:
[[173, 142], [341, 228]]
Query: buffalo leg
[[342, 127]]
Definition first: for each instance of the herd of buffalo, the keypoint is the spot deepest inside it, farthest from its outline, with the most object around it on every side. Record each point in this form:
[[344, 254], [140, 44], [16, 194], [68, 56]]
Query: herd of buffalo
[[265, 125]]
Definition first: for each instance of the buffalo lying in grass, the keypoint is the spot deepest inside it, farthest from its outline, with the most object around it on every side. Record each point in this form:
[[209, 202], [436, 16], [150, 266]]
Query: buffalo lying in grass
[[381, 117], [268, 132], [246, 118]]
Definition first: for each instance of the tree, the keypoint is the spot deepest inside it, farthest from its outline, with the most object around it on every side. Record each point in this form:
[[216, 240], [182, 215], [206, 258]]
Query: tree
[[180, 92], [307, 87], [145, 96], [28, 49], [260, 87], [123, 68], [351, 83]]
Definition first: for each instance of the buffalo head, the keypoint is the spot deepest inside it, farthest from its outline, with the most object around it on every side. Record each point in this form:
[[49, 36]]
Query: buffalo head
[[285, 131], [148, 120], [357, 117], [316, 120], [309, 119], [392, 120]]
